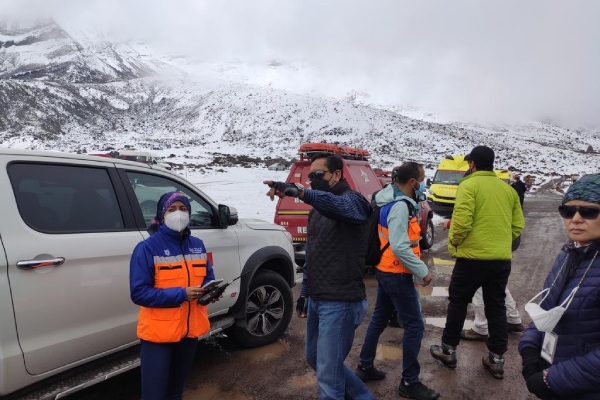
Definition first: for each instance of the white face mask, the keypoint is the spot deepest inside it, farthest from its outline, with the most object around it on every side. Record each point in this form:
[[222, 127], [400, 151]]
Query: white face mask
[[177, 220], [546, 320]]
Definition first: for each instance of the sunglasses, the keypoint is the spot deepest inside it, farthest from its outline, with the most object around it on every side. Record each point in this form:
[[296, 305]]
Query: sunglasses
[[586, 212], [318, 174]]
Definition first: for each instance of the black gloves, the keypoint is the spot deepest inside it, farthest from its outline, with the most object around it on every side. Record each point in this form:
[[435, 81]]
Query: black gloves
[[532, 362], [288, 189], [537, 386], [301, 305]]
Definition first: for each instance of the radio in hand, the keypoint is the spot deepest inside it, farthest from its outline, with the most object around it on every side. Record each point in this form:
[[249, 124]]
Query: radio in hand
[[214, 290]]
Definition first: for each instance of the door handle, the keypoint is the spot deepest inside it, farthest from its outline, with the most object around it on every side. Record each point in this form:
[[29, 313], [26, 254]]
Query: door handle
[[33, 264]]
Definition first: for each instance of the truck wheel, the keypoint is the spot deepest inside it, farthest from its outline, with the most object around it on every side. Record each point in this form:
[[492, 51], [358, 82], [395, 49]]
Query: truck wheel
[[427, 240], [268, 310]]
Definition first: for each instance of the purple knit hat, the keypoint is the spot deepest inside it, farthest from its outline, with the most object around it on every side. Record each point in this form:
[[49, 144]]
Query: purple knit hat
[[165, 202]]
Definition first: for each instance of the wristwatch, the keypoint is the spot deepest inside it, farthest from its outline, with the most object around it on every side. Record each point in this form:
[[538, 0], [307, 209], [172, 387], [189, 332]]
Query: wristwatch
[[300, 187]]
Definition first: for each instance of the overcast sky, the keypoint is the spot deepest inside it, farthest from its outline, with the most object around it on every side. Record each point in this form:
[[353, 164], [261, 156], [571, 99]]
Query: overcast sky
[[501, 58]]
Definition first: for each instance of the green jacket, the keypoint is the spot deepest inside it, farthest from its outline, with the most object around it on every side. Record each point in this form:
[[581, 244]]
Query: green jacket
[[487, 217]]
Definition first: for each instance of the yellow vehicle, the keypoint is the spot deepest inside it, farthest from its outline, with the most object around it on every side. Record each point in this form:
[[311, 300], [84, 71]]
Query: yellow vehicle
[[504, 174], [442, 189]]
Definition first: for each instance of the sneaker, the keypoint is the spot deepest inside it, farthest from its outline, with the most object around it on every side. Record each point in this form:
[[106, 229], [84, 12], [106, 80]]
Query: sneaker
[[516, 327], [369, 373], [495, 364], [416, 391], [472, 335], [445, 354]]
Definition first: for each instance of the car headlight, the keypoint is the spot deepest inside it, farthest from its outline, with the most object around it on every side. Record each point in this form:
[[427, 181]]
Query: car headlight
[[288, 236]]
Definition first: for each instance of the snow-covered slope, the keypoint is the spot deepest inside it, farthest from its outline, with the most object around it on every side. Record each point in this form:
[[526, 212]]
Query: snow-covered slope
[[71, 92]]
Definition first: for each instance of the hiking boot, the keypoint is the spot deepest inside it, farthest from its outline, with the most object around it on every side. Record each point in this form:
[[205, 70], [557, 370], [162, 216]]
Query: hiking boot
[[445, 354], [472, 335], [516, 327], [416, 391], [369, 373], [495, 364]]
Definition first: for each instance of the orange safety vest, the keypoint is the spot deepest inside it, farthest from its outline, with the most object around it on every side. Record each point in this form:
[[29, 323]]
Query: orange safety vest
[[186, 320], [389, 262]]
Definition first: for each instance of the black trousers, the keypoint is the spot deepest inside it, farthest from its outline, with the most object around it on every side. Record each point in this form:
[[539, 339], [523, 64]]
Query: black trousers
[[467, 277]]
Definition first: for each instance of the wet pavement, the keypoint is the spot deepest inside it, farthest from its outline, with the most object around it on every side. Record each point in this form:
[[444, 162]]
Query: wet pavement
[[223, 370]]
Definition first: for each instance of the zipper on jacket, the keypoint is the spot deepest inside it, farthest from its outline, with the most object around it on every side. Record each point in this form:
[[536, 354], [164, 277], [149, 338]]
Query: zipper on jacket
[[187, 269]]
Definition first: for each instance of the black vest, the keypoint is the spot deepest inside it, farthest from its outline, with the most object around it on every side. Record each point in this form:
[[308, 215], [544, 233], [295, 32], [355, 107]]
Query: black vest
[[335, 256]]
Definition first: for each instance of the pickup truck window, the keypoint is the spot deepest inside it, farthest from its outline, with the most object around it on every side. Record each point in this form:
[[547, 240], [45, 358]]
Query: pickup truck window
[[65, 199], [148, 188]]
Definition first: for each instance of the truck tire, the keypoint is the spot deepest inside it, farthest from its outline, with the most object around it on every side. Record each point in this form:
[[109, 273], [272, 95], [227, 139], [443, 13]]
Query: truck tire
[[427, 239], [269, 309]]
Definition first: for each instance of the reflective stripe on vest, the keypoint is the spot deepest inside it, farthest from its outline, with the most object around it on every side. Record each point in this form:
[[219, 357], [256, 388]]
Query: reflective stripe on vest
[[389, 262], [188, 319]]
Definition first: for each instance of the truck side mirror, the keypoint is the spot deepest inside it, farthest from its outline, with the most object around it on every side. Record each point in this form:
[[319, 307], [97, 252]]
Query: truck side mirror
[[428, 182], [226, 216]]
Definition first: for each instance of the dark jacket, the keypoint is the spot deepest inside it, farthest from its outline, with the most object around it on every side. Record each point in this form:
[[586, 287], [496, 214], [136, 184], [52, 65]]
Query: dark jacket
[[336, 243], [576, 367], [520, 188]]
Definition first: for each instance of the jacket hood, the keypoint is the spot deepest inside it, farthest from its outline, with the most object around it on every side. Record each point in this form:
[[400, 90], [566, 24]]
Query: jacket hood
[[391, 193]]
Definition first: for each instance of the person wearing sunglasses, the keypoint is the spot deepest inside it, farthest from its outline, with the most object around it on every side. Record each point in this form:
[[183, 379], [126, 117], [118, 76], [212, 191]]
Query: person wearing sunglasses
[[560, 349], [334, 271]]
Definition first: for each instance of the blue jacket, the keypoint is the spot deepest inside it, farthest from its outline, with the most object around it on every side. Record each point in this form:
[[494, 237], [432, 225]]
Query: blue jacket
[[576, 367], [164, 243]]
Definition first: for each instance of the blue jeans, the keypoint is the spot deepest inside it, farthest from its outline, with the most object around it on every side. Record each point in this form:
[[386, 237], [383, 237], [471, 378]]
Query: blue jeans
[[164, 368], [396, 291], [329, 335]]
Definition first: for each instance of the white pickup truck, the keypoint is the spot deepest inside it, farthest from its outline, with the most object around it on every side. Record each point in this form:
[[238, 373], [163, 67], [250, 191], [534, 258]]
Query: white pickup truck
[[69, 225]]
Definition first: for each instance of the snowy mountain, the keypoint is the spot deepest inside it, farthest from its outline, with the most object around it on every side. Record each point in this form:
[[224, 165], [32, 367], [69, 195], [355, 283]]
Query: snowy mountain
[[74, 92]]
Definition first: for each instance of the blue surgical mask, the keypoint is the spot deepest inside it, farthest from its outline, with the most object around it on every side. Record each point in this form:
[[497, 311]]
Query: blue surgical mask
[[420, 192]]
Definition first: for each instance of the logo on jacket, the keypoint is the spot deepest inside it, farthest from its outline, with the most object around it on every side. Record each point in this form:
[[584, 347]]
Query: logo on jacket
[[167, 252]]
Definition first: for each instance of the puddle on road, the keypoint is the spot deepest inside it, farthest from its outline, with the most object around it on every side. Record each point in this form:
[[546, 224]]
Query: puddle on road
[[385, 352], [307, 380], [441, 322], [212, 391], [265, 353]]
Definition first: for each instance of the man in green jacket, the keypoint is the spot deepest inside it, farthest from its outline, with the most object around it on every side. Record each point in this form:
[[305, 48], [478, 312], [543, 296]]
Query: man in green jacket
[[487, 217]]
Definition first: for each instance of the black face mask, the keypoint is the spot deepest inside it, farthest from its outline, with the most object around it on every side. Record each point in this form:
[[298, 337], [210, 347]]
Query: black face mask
[[320, 184]]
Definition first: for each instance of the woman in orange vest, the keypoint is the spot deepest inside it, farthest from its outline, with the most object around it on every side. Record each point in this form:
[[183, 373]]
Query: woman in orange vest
[[166, 273]]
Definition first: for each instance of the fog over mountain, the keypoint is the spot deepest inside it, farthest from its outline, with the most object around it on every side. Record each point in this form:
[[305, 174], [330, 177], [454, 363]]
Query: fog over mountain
[[69, 89]]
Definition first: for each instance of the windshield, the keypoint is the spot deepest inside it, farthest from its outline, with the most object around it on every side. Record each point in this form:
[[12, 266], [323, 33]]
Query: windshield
[[448, 177]]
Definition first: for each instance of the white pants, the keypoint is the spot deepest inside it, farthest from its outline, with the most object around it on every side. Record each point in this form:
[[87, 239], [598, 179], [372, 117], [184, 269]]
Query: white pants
[[481, 325]]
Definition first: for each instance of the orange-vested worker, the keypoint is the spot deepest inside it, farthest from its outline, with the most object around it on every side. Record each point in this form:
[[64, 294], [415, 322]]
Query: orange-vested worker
[[167, 271], [396, 272]]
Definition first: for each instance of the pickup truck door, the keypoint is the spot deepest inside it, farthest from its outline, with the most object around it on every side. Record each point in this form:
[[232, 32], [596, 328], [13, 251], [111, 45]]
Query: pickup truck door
[[68, 233], [221, 243]]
